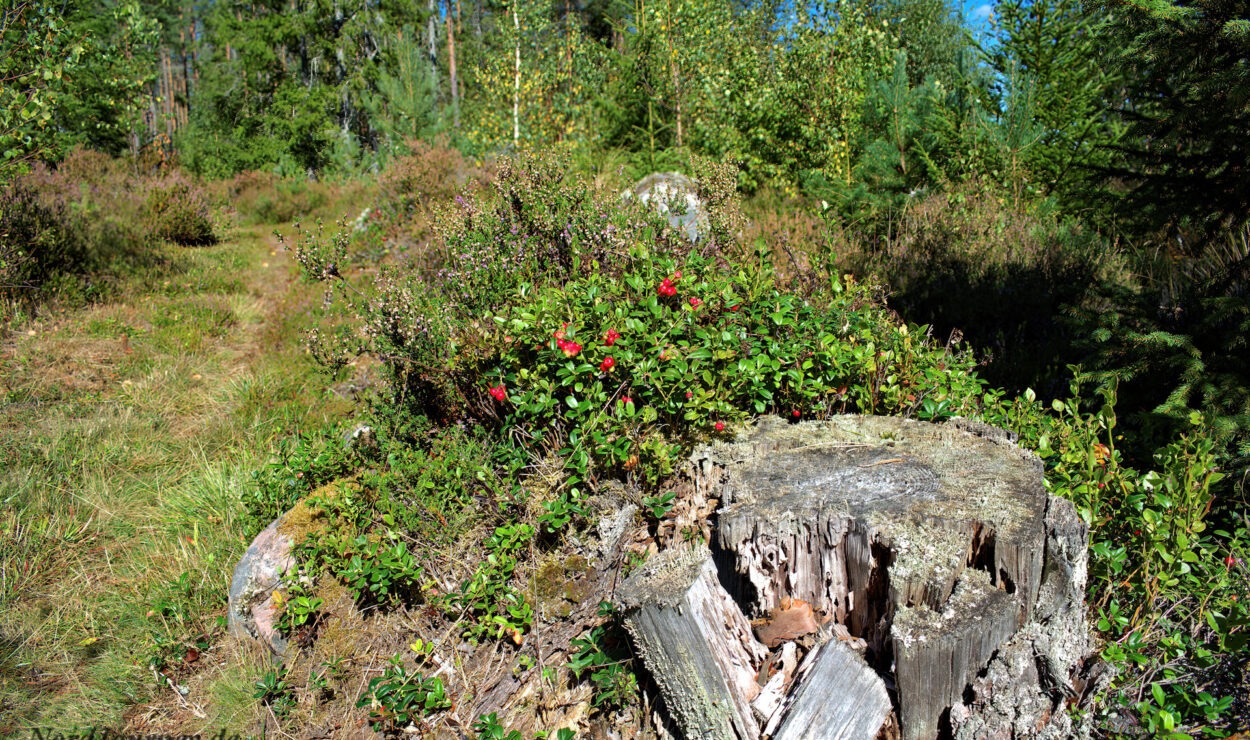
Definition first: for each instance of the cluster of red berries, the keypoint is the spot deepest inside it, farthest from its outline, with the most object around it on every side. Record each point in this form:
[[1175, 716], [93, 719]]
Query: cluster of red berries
[[607, 364], [667, 289], [610, 338], [567, 346], [499, 392]]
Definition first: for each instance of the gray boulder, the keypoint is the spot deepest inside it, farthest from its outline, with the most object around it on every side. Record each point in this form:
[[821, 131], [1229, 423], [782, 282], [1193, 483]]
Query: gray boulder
[[675, 197], [253, 611]]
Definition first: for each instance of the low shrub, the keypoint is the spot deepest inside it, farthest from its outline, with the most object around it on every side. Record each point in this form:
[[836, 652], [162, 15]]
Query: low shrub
[[91, 221], [177, 210], [1007, 278], [1167, 578]]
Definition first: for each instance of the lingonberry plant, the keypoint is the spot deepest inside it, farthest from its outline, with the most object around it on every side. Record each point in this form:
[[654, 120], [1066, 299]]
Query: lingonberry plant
[[690, 367]]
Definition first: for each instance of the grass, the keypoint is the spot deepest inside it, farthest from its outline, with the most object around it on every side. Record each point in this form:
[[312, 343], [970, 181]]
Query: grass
[[129, 430]]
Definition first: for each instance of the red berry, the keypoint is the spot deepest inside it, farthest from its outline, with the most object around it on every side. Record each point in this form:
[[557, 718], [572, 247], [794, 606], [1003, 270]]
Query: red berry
[[607, 364], [677, 275], [499, 392], [1230, 561], [626, 399], [796, 414], [689, 395], [695, 302], [720, 426], [610, 338]]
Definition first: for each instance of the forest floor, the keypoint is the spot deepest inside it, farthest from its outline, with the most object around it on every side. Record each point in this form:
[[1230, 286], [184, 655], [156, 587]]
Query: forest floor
[[128, 429]]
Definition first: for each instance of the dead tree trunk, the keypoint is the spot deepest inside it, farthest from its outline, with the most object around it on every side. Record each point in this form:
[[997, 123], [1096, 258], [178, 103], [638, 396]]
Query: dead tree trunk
[[906, 560]]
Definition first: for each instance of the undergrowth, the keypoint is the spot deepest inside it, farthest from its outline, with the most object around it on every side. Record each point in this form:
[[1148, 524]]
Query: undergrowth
[[584, 341]]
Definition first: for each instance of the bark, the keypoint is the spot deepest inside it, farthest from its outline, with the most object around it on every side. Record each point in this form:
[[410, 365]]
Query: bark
[[696, 642]]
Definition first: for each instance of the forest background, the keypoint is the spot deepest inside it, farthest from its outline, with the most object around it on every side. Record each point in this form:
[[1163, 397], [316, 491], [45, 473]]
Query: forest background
[[1061, 186]]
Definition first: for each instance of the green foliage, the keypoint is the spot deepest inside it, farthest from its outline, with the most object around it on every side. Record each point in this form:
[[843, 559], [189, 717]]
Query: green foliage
[[400, 697], [594, 331], [493, 605], [1050, 55], [375, 572], [488, 727], [39, 48], [602, 656], [299, 606], [303, 464], [1166, 566], [1185, 100], [274, 691]]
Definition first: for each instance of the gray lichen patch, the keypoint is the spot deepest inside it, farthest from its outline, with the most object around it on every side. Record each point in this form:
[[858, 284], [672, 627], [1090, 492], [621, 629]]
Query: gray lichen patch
[[928, 560]]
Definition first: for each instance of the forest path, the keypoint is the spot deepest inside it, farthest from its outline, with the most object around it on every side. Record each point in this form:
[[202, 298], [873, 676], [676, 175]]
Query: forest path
[[129, 430]]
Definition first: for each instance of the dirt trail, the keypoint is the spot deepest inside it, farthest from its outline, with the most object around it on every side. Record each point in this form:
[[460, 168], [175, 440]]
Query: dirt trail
[[130, 429]]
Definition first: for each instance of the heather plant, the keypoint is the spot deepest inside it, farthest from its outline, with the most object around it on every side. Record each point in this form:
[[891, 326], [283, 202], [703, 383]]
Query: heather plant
[[76, 229], [179, 211]]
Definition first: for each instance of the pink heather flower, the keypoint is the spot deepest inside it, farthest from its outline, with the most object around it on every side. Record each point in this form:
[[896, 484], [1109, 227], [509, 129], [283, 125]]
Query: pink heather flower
[[607, 364], [720, 426], [610, 338], [499, 392], [695, 302]]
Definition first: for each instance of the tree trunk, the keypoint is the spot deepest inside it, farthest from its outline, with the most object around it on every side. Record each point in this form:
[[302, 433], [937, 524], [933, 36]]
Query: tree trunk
[[431, 40], [516, 86], [451, 67], [925, 557]]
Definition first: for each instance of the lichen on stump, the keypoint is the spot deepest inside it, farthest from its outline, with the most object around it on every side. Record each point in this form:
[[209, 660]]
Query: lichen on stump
[[934, 547]]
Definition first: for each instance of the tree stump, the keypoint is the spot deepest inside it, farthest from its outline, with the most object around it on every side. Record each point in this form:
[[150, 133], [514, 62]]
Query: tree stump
[[926, 553]]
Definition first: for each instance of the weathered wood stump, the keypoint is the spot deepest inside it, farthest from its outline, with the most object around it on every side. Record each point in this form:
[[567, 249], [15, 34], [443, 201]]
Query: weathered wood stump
[[927, 554]]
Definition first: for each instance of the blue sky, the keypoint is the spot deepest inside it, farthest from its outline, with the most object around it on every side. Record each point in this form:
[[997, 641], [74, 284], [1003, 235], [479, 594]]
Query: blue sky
[[977, 13]]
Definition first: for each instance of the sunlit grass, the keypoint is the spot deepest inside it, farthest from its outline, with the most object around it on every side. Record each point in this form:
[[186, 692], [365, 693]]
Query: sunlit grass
[[130, 430]]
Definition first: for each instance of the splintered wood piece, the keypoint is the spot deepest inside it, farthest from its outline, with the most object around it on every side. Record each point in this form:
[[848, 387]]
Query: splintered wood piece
[[937, 653], [789, 621], [837, 697], [696, 643], [774, 691]]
